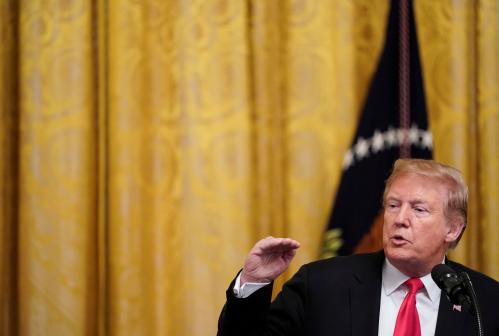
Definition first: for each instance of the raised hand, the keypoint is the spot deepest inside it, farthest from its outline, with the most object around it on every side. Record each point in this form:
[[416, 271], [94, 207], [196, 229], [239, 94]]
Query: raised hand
[[268, 259]]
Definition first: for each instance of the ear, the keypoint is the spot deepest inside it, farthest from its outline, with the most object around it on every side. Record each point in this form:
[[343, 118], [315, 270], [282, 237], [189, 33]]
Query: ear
[[454, 229]]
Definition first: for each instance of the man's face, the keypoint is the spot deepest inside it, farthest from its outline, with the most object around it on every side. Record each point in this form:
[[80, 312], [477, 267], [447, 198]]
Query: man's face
[[416, 232]]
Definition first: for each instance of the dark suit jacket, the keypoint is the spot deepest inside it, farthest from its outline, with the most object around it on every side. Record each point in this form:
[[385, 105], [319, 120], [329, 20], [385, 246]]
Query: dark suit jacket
[[341, 296]]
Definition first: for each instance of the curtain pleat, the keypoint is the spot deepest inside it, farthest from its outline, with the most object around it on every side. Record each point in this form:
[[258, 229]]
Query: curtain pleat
[[57, 169], [9, 137]]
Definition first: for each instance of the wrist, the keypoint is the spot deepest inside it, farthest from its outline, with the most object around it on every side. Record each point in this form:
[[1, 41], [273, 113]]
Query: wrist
[[247, 278]]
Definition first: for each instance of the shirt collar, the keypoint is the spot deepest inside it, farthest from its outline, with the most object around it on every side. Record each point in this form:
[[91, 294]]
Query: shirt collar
[[392, 279]]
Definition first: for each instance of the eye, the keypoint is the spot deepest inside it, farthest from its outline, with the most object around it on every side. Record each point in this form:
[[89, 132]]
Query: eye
[[420, 210], [392, 205]]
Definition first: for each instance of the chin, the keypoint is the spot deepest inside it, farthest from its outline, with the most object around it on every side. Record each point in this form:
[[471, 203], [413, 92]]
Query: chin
[[406, 262], [398, 255]]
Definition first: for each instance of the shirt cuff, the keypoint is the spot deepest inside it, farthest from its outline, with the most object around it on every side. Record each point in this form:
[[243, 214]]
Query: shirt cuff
[[247, 289]]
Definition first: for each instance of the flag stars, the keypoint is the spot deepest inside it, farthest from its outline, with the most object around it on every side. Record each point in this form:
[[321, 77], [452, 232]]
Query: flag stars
[[378, 141], [414, 135], [427, 139], [390, 137], [347, 159], [362, 148], [401, 133]]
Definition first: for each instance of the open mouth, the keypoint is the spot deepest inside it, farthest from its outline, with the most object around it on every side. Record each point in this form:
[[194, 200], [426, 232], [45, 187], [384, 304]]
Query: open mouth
[[398, 239]]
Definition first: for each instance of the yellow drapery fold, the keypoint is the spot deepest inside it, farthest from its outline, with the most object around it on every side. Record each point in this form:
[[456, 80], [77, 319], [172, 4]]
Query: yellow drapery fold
[[460, 55], [146, 145]]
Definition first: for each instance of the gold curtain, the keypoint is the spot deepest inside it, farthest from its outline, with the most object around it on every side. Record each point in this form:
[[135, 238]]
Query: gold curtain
[[146, 145]]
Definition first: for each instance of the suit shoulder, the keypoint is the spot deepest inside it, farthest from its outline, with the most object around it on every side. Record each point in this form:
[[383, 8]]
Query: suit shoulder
[[476, 276], [354, 259], [363, 262]]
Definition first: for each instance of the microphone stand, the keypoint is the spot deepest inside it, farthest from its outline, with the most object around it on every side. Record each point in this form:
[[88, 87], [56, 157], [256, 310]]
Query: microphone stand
[[476, 308]]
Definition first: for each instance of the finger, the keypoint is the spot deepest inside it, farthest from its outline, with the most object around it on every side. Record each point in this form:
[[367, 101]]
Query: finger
[[275, 244], [275, 252], [283, 247], [290, 242], [289, 255]]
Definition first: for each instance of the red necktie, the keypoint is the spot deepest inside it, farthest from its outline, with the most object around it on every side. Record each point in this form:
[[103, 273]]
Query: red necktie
[[408, 319]]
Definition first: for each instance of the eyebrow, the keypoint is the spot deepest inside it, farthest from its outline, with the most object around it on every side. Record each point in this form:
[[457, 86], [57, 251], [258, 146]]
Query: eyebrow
[[412, 202]]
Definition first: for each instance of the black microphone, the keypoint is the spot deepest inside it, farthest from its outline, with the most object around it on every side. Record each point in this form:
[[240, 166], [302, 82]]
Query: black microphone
[[453, 285], [459, 290]]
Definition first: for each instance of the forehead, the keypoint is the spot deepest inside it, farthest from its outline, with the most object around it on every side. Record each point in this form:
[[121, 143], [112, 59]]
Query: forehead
[[417, 187]]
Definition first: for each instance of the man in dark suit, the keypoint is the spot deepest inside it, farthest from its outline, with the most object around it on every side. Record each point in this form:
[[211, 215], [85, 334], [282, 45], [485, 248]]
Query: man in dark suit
[[390, 292]]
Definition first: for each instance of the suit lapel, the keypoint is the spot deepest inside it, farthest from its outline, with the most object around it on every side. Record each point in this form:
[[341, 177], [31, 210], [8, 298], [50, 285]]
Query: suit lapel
[[365, 309], [365, 300], [450, 321]]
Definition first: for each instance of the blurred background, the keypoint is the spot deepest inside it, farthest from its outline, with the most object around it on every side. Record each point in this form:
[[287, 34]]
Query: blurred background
[[147, 144]]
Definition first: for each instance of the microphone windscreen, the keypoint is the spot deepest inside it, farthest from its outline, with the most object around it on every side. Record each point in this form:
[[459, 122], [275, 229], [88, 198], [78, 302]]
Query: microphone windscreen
[[441, 272], [452, 285]]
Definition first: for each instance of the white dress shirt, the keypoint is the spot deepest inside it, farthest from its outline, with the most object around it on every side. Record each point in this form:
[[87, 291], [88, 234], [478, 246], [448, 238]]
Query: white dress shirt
[[247, 289], [393, 292]]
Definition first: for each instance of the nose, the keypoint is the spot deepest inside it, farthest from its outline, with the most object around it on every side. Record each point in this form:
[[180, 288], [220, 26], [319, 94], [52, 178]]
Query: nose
[[402, 217]]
